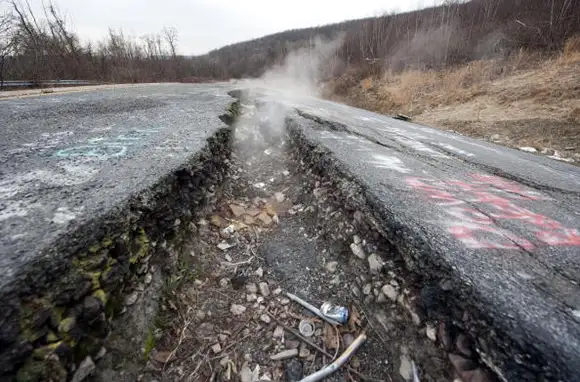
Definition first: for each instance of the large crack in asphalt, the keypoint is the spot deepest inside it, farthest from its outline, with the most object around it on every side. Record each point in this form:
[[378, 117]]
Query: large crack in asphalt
[[279, 225]]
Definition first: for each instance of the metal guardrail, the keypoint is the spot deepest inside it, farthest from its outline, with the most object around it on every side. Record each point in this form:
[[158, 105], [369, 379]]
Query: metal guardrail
[[29, 84]]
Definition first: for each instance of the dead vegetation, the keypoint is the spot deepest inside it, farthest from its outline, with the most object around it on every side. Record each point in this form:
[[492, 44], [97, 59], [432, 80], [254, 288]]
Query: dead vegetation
[[526, 100]]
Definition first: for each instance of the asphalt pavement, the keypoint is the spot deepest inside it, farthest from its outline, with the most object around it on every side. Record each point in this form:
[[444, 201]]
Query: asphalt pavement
[[498, 227], [66, 159]]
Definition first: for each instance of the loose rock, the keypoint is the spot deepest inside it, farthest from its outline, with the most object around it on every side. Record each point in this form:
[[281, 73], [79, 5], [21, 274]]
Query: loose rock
[[375, 263], [265, 318], [406, 367], [347, 339], [358, 251], [264, 289], [216, 348], [278, 332], [431, 333], [259, 272], [252, 288], [131, 299], [224, 282], [86, 368], [390, 291], [237, 310], [331, 266], [290, 353], [367, 289]]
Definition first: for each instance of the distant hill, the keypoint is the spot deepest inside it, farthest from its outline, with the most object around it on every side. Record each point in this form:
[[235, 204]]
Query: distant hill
[[453, 33]]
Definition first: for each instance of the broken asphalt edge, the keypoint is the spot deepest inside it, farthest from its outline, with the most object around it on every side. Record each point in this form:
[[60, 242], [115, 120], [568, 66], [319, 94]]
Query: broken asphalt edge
[[511, 353], [59, 309]]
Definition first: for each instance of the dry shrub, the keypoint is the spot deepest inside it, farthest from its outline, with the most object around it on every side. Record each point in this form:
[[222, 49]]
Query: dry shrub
[[572, 46]]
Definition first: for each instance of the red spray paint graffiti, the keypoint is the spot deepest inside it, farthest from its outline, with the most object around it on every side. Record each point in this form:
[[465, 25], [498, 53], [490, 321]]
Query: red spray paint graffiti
[[476, 229]]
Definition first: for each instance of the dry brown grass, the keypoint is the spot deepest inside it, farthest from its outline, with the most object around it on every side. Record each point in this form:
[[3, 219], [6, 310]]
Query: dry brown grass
[[488, 95]]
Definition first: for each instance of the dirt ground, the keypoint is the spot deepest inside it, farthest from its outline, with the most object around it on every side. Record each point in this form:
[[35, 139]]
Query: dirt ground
[[523, 102]]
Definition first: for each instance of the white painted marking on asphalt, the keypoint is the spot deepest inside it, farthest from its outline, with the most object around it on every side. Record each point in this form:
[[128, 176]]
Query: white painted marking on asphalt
[[390, 163]]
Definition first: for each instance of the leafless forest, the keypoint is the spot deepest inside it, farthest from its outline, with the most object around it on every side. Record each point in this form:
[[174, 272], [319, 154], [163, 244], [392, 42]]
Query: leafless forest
[[42, 46]]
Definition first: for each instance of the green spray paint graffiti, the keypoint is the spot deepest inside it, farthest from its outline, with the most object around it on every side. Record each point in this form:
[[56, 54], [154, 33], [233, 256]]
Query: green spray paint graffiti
[[105, 148]]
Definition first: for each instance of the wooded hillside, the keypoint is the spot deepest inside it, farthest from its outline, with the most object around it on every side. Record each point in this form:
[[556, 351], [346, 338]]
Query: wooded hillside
[[34, 47]]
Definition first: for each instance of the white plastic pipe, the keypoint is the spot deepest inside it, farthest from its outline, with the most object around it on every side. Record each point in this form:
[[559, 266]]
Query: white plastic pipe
[[344, 357]]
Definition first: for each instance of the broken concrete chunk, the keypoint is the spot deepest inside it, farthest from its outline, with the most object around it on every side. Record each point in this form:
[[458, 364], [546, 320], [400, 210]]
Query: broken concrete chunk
[[251, 288]]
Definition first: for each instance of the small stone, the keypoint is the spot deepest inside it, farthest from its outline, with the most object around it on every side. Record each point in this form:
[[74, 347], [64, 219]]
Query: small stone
[[265, 219], [293, 370], [131, 299], [355, 362], [390, 291], [356, 239], [406, 367], [367, 289], [332, 266], [102, 352], [335, 280], [279, 197], [148, 278], [369, 299], [431, 333], [358, 251], [381, 298], [224, 245], [67, 324], [218, 221], [259, 272], [304, 352], [86, 368], [224, 282], [246, 374], [461, 363], [290, 353], [265, 318], [237, 210], [251, 297], [528, 149], [347, 339], [260, 300], [285, 301], [216, 348], [277, 291], [200, 315], [252, 288], [278, 332], [237, 310], [375, 263], [264, 289], [259, 185], [355, 290], [495, 137], [222, 337], [286, 173], [292, 344]]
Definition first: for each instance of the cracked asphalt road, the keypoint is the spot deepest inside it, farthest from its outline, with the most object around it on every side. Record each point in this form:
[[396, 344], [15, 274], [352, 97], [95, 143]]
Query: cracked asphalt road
[[502, 224]]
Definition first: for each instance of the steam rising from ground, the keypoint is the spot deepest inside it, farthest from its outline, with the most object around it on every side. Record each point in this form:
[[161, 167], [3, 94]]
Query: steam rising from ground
[[299, 77]]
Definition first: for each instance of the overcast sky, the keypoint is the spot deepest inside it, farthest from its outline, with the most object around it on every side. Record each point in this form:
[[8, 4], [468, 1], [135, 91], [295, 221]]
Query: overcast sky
[[204, 25]]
